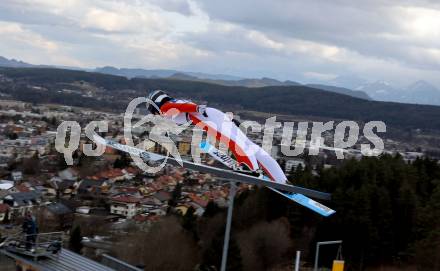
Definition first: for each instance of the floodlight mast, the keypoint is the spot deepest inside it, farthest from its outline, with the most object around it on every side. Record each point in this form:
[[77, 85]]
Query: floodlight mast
[[232, 192]]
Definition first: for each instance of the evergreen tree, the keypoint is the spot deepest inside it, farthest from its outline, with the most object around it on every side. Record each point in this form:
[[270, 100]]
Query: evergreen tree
[[189, 222], [123, 161], [212, 256], [211, 209], [175, 196], [177, 192], [12, 136], [234, 262], [75, 240]]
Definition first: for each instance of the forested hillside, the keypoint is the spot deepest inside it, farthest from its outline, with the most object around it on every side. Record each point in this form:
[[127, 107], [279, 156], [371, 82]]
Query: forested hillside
[[388, 215], [388, 211], [293, 100]]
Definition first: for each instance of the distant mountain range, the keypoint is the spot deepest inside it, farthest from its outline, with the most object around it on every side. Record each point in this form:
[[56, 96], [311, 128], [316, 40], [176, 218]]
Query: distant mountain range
[[220, 79], [420, 92], [4, 62], [224, 80], [103, 91], [143, 73], [341, 90], [252, 83]]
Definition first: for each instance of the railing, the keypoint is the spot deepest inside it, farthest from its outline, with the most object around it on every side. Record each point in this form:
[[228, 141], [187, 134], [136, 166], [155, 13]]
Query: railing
[[40, 242], [46, 239]]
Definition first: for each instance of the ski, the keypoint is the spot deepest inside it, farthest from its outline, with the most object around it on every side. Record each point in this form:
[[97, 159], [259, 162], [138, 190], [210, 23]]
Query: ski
[[226, 160], [222, 173]]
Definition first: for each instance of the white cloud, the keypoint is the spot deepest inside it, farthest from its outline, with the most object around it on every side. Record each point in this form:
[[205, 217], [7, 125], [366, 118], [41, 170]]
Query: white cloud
[[23, 44], [422, 23], [388, 36], [106, 20], [320, 76], [261, 39], [178, 6], [298, 40], [16, 33]]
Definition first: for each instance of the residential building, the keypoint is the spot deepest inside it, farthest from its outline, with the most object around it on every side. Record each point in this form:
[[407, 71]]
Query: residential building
[[293, 164], [21, 202], [127, 206]]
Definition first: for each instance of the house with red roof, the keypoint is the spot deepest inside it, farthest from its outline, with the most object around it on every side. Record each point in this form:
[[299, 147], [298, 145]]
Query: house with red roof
[[22, 188], [198, 200], [114, 174]]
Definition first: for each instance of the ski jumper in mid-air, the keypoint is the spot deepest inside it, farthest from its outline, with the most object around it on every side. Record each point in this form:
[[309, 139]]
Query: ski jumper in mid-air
[[221, 127]]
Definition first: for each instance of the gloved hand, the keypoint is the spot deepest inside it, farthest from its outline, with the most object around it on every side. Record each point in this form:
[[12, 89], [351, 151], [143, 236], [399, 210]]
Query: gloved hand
[[202, 110]]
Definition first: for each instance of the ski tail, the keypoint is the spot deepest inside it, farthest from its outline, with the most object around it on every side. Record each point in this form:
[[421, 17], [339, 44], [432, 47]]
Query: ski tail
[[296, 197]]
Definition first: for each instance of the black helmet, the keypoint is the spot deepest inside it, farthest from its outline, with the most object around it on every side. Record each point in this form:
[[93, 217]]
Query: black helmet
[[158, 97]]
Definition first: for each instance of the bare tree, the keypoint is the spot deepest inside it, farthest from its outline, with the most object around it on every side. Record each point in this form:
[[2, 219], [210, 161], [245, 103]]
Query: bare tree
[[165, 247], [31, 165], [263, 245], [208, 228]]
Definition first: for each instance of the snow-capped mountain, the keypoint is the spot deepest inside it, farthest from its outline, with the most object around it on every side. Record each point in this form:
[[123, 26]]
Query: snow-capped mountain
[[348, 81], [381, 91], [420, 92], [423, 93]]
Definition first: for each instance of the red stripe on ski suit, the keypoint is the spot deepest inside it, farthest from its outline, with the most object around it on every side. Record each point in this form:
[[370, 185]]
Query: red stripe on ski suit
[[187, 107], [181, 107]]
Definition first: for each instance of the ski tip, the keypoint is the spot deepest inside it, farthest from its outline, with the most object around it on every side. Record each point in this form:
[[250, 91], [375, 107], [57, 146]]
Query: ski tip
[[330, 213], [308, 203], [326, 213]]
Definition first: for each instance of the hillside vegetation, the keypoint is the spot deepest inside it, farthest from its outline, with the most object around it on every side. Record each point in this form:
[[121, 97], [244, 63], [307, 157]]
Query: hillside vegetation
[[294, 100]]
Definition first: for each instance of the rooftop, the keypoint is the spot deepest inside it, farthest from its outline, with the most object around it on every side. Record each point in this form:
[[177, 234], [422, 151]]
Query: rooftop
[[59, 209], [126, 199], [65, 260], [24, 198]]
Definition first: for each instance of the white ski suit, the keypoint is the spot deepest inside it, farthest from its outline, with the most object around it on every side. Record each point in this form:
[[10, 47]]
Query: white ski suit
[[221, 127]]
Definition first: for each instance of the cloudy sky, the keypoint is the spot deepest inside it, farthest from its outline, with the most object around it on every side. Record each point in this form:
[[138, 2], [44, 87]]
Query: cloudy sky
[[304, 40]]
